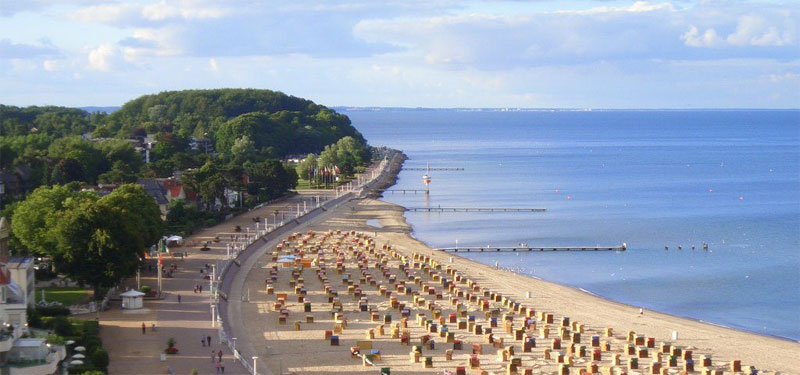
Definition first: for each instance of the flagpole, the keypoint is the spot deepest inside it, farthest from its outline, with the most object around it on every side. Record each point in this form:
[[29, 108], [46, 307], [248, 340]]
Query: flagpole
[[160, 265]]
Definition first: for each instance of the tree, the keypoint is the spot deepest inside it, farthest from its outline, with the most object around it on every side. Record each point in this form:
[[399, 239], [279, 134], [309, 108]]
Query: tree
[[306, 167], [94, 241], [211, 180], [243, 149], [99, 243], [36, 216], [270, 179]]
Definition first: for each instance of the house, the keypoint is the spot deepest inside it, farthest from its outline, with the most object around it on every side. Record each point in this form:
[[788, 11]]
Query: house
[[155, 189], [175, 189], [203, 145], [22, 273], [20, 356], [14, 183]]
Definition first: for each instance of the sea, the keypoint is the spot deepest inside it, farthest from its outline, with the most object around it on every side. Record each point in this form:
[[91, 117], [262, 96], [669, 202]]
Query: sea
[[654, 180]]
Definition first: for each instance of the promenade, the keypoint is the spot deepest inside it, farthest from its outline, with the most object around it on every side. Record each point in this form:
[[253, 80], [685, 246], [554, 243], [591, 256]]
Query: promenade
[[135, 353], [188, 321]]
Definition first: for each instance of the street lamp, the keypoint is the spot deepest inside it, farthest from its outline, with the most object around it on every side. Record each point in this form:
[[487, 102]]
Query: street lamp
[[255, 372]]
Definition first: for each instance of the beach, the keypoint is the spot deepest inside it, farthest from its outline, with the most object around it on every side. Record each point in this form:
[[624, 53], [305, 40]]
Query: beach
[[282, 349]]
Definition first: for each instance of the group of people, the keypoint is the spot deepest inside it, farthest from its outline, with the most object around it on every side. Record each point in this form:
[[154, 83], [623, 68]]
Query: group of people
[[216, 356]]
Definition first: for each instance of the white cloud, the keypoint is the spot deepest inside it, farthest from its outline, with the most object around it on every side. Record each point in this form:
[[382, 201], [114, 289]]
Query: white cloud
[[757, 31], [212, 63], [709, 38], [101, 58], [50, 65], [788, 76]]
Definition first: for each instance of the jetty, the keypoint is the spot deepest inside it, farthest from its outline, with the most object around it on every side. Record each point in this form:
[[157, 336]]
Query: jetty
[[475, 209], [434, 169], [404, 191], [468, 249]]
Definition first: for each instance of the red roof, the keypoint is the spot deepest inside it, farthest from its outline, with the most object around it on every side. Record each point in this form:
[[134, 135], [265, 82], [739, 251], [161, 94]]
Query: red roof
[[174, 188]]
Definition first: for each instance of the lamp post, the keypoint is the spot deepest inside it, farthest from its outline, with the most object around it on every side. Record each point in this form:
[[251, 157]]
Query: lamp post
[[255, 363]]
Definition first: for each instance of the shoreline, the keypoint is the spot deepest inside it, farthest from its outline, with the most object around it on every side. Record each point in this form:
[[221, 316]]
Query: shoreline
[[261, 335], [589, 295], [577, 288], [609, 299]]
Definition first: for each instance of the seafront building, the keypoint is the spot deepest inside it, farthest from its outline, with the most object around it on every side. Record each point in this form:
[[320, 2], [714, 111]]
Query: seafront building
[[20, 353]]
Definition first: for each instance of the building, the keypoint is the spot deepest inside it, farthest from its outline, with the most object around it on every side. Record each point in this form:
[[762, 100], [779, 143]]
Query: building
[[22, 272], [20, 356], [155, 189]]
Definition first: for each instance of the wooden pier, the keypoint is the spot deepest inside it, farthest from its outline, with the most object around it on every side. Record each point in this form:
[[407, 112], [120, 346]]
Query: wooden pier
[[474, 209], [435, 169], [405, 191], [489, 249]]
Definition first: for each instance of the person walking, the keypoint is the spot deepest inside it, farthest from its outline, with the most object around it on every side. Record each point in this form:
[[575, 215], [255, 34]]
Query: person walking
[[222, 366], [144, 328], [208, 339], [217, 367], [213, 358], [179, 298], [219, 354], [203, 340]]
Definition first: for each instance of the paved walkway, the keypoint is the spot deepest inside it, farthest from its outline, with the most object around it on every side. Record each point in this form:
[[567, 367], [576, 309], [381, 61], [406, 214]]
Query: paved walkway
[[135, 353]]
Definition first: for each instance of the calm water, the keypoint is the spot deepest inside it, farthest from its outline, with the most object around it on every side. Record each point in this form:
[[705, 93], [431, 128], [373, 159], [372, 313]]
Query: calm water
[[647, 178]]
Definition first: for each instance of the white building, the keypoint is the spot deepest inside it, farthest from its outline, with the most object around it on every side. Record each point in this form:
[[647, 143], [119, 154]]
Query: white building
[[20, 356]]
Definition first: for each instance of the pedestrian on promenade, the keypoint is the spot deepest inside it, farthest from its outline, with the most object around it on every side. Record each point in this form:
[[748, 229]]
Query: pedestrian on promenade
[[153, 327], [144, 327], [209, 343], [203, 340], [213, 356], [201, 288], [179, 298], [222, 366], [219, 354], [217, 366]]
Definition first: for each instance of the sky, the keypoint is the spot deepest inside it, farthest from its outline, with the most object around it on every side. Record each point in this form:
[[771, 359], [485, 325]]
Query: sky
[[407, 53]]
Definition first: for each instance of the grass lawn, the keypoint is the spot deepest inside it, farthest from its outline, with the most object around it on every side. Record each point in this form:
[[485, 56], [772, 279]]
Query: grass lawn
[[67, 295]]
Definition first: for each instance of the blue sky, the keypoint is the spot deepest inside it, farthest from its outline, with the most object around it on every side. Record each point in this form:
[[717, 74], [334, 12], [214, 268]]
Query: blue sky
[[431, 53]]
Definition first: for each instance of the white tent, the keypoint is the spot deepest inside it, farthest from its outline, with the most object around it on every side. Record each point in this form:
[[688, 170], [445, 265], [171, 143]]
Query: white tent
[[174, 241], [132, 299]]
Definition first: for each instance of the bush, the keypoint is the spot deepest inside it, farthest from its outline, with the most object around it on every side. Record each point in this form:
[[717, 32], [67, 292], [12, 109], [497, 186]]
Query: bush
[[145, 289], [91, 328], [83, 369], [34, 317], [99, 358], [91, 342], [44, 274], [62, 326], [55, 340], [53, 310]]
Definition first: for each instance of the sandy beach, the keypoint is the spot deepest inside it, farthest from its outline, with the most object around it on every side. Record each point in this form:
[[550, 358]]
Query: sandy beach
[[283, 349]]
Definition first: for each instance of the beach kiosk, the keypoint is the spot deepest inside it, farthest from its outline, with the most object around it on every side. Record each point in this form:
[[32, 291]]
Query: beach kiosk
[[132, 300]]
